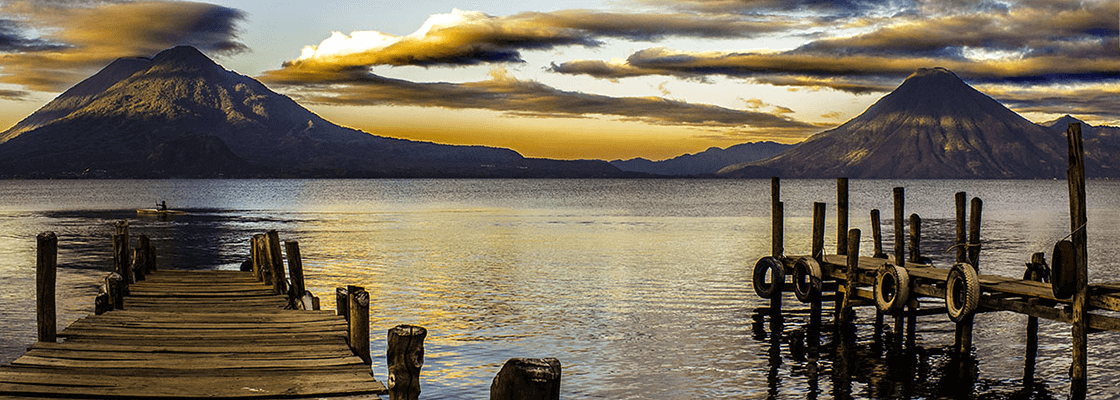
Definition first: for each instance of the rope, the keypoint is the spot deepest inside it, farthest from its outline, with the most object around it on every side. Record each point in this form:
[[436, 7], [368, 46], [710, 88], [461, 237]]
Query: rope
[[953, 247]]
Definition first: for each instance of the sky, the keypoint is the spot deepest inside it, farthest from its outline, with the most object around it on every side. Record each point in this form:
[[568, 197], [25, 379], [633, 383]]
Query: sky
[[588, 79]]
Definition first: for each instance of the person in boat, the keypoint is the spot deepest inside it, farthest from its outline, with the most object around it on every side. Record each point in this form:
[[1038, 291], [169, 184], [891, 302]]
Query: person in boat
[[162, 206]]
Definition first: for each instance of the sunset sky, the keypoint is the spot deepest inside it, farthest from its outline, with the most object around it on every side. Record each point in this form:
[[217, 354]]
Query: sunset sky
[[603, 79]]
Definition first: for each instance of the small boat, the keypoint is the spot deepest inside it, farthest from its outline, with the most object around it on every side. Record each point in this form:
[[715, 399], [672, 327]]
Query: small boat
[[155, 211]]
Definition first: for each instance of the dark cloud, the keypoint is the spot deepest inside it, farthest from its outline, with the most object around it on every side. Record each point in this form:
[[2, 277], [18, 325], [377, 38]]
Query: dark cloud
[[13, 40], [12, 94], [1091, 102], [507, 94], [84, 36]]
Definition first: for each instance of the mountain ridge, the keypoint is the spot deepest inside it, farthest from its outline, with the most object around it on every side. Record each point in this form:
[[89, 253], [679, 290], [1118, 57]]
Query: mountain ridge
[[707, 162], [117, 120], [933, 126]]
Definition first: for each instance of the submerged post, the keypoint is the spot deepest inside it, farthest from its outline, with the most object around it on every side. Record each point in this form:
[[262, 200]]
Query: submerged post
[[841, 216], [527, 379], [1078, 220], [359, 322], [46, 272], [405, 355]]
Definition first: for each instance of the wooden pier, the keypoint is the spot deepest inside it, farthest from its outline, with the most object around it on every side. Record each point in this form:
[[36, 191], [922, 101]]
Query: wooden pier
[[1057, 291], [192, 334]]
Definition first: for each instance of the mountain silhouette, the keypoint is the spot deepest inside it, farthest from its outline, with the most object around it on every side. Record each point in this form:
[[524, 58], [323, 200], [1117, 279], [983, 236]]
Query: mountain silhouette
[[933, 126], [181, 114], [708, 161]]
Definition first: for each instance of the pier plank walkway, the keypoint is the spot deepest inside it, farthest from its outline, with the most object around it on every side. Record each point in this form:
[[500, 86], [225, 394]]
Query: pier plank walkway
[[191, 334]]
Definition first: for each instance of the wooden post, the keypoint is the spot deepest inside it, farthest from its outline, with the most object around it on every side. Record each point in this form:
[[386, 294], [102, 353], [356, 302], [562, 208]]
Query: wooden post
[[777, 245], [900, 227], [137, 267], [962, 229], [121, 262], [102, 304], [276, 260], [972, 255], [405, 356], [295, 268], [916, 258], [359, 322], [841, 216], [1078, 221], [254, 257], [46, 272], [342, 303], [527, 379], [114, 286], [846, 314], [877, 234], [818, 254], [145, 246], [1031, 353]]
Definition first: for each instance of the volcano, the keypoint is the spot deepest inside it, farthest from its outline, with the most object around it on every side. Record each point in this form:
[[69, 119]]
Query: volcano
[[180, 114], [933, 126]]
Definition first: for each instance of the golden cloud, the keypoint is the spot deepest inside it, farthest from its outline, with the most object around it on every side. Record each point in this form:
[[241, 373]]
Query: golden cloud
[[79, 40]]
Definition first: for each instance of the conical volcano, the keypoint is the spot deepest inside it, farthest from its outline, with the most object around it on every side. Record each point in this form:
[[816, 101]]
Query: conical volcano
[[933, 126], [181, 114]]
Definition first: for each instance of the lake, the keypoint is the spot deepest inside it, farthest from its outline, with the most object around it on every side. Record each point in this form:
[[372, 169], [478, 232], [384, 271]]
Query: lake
[[640, 287]]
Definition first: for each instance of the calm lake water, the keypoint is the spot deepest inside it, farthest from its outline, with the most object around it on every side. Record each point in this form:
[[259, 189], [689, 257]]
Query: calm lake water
[[640, 287]]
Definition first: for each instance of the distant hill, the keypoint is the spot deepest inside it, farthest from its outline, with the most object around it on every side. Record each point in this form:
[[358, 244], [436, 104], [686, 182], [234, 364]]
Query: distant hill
[[179, 114], [1101, 144], [932, 126], [706, 162]]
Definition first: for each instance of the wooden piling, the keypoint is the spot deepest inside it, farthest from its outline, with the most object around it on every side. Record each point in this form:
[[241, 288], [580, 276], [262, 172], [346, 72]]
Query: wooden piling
[[1031, 351], [137, 267], [342, 303], [916, 258], [845, 315], [899, 254], [405, 356], [962, 229], [877, 234], [841, 216], [121, 261], [114, 286], [527, 379], [358, 309], [1078, 221], [46, 272], [777, 246], [276, 260], [972, 254], [818, 254], [295, 268]]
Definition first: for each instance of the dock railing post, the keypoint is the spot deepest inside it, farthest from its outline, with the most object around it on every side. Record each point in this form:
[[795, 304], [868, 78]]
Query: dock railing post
[[46, 272], [404, 353], [114, 286], [841, 216], [276, 263], [342, 303], [1078, 230], [877, 235], [359, 322], [527, 379]]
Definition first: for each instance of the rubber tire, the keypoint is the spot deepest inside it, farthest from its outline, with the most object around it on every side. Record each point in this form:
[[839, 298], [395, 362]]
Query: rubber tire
[[899, 293], [807, 279], [1063, 270], [777, 273], [965, 283]]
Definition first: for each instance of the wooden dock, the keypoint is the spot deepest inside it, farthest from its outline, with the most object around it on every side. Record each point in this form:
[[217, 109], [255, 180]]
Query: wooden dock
[[893, 285], [191, 334], [194, 334]]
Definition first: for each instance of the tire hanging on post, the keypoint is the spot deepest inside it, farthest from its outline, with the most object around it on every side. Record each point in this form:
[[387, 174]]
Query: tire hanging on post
[[892, 288], [962, 292], [773, 267], [1063, 270], [806, 279]]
